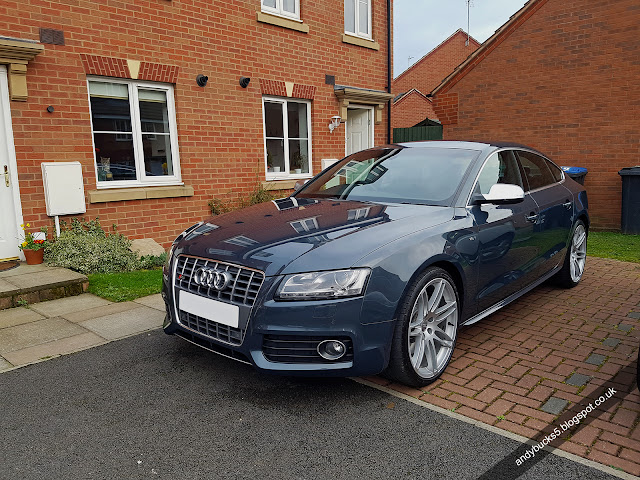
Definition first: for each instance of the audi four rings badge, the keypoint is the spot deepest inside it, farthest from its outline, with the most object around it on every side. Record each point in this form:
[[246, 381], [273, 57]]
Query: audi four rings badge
[[209, 277]]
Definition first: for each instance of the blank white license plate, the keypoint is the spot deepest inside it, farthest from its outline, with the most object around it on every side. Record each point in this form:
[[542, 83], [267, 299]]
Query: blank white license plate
[[214, 310]]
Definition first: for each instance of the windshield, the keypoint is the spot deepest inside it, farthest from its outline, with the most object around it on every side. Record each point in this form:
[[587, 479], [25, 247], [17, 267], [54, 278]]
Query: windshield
[[428, 176]]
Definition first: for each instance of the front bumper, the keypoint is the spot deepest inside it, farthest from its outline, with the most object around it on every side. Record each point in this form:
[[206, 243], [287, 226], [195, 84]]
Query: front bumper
[[298, 326]]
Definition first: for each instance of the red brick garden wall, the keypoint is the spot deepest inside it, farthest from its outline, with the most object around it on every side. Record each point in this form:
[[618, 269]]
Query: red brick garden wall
[[220, 132], [410, 110], [566, 81]]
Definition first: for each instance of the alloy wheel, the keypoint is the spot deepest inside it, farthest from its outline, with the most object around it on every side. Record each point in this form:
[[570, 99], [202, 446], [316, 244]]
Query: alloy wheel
[[432, 328], [578, 253]]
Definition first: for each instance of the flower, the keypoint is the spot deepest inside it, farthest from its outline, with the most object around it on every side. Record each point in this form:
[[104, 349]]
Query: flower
[[30, 242]]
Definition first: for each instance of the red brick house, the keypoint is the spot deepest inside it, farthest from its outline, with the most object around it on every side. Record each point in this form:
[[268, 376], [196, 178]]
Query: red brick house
[[411, 105], [121, 88], [563, 77]]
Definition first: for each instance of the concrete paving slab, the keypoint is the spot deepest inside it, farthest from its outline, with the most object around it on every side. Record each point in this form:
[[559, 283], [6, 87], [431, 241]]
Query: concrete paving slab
[[23, 269], [51, 349], [102, 311], [46, 277], [126, 323], [62, 306], [153, 301], [4, 364], [18, 316], [625, 327], [36, 333], [7, 288]]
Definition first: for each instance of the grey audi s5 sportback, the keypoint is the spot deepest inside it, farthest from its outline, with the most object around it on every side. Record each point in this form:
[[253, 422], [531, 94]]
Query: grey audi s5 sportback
[[374, 264]]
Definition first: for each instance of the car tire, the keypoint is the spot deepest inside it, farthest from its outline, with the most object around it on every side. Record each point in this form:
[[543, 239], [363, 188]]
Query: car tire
[[426, 329], [575, 258]]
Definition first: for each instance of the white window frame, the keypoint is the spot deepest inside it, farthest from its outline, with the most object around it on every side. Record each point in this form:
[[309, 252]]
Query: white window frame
[[358, 33], [286, 174], [280, 11], [305, 225], [134, 109], [241, 241], [358, 213]]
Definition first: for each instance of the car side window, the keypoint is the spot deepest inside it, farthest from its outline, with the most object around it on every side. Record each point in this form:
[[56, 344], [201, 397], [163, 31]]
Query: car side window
[[536, 170], [555, 171], [500, 167]]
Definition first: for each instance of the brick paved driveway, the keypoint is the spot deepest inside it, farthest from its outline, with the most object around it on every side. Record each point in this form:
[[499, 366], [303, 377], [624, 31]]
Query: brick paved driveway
[[555, 350]]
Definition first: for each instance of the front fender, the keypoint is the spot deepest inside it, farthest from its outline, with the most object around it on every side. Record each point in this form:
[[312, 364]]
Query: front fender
[[396, 266]]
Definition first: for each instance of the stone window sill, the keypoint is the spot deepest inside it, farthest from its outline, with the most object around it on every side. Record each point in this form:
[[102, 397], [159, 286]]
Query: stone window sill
[[361, 42], [140, 193], [283, 22], [274, 185]]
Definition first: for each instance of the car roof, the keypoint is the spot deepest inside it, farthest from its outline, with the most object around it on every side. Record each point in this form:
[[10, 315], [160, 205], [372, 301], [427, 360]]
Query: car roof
[[462, 144]]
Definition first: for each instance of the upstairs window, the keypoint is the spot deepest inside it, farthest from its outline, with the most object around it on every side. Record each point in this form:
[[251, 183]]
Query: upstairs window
[[284, 8], [134, 133], [357, 18]]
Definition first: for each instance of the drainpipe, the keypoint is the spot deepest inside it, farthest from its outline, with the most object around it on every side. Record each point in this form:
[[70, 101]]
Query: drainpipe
[[389, 69]]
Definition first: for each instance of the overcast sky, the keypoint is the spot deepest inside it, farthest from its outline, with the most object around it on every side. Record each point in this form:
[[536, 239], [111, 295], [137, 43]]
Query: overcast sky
[[421, 25]]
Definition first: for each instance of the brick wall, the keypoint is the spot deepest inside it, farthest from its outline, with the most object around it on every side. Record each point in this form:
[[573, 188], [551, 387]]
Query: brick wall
[[220, 130], [410, 110], [566, 81]]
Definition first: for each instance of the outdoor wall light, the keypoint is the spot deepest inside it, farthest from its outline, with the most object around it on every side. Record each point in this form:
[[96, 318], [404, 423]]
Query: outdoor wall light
[[335, 123], [244, 81], [50, 109], [202, 80]]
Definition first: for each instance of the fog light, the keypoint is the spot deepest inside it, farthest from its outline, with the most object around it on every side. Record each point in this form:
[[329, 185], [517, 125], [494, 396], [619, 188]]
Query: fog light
[[331, 349]]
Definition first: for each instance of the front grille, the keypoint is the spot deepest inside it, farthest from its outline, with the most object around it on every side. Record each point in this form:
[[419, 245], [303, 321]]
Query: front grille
[[242, 291], [300, 349], [211, 329]]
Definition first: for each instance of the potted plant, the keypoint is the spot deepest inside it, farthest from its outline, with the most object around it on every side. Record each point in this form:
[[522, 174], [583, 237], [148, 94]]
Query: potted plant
[[297, 162], [32, 247], [270, 163]]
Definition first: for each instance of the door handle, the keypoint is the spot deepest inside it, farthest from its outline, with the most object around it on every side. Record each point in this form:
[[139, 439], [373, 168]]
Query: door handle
[[532, 217], [568, 204], [6, 176]]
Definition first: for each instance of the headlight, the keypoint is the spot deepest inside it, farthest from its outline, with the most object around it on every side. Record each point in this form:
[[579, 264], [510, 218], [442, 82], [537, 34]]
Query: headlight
[[323, 285]]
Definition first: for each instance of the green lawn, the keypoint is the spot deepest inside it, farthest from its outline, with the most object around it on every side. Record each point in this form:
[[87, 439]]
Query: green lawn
[[614, 245], [125, 286]]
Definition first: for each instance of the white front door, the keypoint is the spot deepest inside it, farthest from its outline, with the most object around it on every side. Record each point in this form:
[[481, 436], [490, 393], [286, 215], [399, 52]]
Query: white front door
[[358, 129], [10, 213]]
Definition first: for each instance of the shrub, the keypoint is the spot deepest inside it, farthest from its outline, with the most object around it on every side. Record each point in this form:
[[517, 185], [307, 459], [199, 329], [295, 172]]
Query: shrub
[[86, 248], [258, 195], [148, 262], [218, 206]]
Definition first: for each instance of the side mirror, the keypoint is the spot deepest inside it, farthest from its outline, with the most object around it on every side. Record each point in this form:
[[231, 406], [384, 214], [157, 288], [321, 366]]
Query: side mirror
[[299, 184], [500, 194]]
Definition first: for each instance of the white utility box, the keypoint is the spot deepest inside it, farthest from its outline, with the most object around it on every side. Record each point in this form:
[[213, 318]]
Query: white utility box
[[63, 188], [327, 162]]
